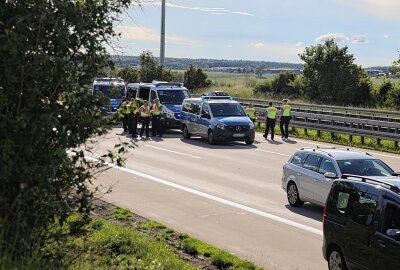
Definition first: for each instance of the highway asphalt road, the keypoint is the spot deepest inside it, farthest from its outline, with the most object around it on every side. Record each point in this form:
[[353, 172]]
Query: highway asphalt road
[[228, 195]]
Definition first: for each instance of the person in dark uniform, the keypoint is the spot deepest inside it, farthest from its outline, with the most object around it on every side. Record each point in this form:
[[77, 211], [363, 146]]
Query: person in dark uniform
[[134, 116], [285, 116], [156, 114], [271, 120], [123, 112], [145, 118]]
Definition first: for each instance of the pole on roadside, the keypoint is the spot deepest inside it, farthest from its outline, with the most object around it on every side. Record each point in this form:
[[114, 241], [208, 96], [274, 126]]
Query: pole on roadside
[[162, 45]]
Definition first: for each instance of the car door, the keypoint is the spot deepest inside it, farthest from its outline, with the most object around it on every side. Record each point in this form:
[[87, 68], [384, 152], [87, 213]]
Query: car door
[[360, 228], [194, 118], [204, 120], [385, 243], [323, 184], [307, 178]]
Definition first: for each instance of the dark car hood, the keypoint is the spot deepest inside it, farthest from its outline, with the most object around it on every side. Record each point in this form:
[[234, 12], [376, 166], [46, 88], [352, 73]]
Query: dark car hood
[[234, 120]]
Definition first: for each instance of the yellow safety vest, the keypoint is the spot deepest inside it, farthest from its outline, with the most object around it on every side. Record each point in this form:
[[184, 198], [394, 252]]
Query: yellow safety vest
[[145, 111], [286, 110], [124, 108], [271, 112], [157, 109], [251, 113]]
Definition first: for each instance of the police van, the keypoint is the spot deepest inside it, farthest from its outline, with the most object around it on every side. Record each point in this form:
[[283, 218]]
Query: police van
[[216, 119], [170, 95], [113, 89]]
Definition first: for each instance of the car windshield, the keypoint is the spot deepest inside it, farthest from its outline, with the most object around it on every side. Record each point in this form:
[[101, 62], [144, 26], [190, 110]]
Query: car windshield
[[365, 167], [110, 91], [172, 97], [227, 109]]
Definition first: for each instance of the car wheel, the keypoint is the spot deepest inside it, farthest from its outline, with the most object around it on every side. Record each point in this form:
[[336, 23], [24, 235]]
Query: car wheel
[[249, 142], [186, 134], [211, 139], [336, 260], [293, 195]]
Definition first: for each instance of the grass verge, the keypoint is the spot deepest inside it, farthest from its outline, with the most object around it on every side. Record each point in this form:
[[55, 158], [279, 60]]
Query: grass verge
[[116, 238]]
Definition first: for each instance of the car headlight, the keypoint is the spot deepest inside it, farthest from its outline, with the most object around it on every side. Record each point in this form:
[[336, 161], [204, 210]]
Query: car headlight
[[170, 115], [220, 126], [251, 125]]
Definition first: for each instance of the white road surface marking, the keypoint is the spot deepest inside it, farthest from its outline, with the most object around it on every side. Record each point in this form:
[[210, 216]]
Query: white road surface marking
[[218, 199], [167, 150]]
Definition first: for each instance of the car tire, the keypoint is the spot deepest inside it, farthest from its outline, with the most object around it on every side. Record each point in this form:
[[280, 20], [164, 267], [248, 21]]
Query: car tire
[[249, 142], [210, 137], [336, 260], [293, 195], [186, 133]]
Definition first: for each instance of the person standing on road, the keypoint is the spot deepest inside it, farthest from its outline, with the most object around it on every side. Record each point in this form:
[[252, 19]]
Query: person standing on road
[[123, 112], [285, 116], [145, 118], [156, 114], [134, 107], [251, 113], [271, 120]]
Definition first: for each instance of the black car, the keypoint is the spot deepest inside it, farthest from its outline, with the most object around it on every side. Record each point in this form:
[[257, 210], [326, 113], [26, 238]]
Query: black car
[[362, 224]]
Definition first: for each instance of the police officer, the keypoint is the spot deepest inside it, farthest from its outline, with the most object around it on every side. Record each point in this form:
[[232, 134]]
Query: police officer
[[156, 114], [285, 116], [134, 115], [271, 120], [251, 113], [145, 118], [123, 112]]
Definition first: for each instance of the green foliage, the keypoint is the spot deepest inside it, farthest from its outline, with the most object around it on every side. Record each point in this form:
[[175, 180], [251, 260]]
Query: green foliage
[[283, 85], [393, 98], [259, 70], [151, 225], [396, 66], [195, 78], [331, 77], [109, 246], [50, 52], [151, 70], [263, 87], [380, 92], [129, 74], [122, 213]]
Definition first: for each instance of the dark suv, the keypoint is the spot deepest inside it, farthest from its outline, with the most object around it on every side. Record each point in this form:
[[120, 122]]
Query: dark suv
[[362, 224]]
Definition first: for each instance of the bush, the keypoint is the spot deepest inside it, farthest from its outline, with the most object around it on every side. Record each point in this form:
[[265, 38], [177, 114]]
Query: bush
[[122, 213], [263, 87]]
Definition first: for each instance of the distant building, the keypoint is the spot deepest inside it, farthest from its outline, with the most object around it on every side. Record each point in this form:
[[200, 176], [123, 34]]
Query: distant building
[[283, 70], [376, 73]]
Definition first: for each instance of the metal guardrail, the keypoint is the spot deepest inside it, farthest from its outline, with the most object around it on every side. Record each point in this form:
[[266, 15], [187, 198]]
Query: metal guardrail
[[378, 124]]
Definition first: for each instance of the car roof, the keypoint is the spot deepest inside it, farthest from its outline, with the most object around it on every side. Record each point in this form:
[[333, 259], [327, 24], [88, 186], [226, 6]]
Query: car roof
[[211, 101], [339, 153]]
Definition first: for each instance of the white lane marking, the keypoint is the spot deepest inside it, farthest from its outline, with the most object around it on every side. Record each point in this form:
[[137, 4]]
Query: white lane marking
[[261, 150], [167, 150], [217, 199]]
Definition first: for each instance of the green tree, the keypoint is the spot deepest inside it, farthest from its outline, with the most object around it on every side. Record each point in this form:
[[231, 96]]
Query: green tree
[[195, 78], [380, 92], [393, 98], [129, 74], [396, 66], [259, 70], [263, 87], [282, 85], [151, 70], [50, 51], [330, 76]]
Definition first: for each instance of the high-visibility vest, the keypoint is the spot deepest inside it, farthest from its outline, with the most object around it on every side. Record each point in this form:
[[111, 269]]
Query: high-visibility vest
[[286, 110], [145, 111], [271, 112], [250, 113], [134, 106], [124, 108], [156, 109]]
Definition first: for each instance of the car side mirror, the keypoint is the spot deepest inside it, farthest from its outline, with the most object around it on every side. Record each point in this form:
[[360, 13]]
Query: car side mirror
[[330, 175]]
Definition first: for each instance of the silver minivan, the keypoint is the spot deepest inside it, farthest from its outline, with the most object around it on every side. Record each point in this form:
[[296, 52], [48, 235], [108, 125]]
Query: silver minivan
[[309, 174]]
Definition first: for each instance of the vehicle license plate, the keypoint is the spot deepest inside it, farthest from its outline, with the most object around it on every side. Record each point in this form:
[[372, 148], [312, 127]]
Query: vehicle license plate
[[238, 135]]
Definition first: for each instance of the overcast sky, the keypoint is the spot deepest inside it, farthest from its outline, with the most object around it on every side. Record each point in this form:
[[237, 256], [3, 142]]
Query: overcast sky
[[263, 30]]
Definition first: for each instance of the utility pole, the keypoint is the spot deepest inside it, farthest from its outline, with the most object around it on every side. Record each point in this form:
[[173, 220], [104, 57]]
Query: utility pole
[[162, 45]]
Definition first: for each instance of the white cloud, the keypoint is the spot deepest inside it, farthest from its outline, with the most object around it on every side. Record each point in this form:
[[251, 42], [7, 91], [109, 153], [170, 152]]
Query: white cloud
[[388, 9], [210, 10], [258, 45], [359, 39], [230, 46], [146, 34], [342, 38], [386, 36], [339, 37]]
